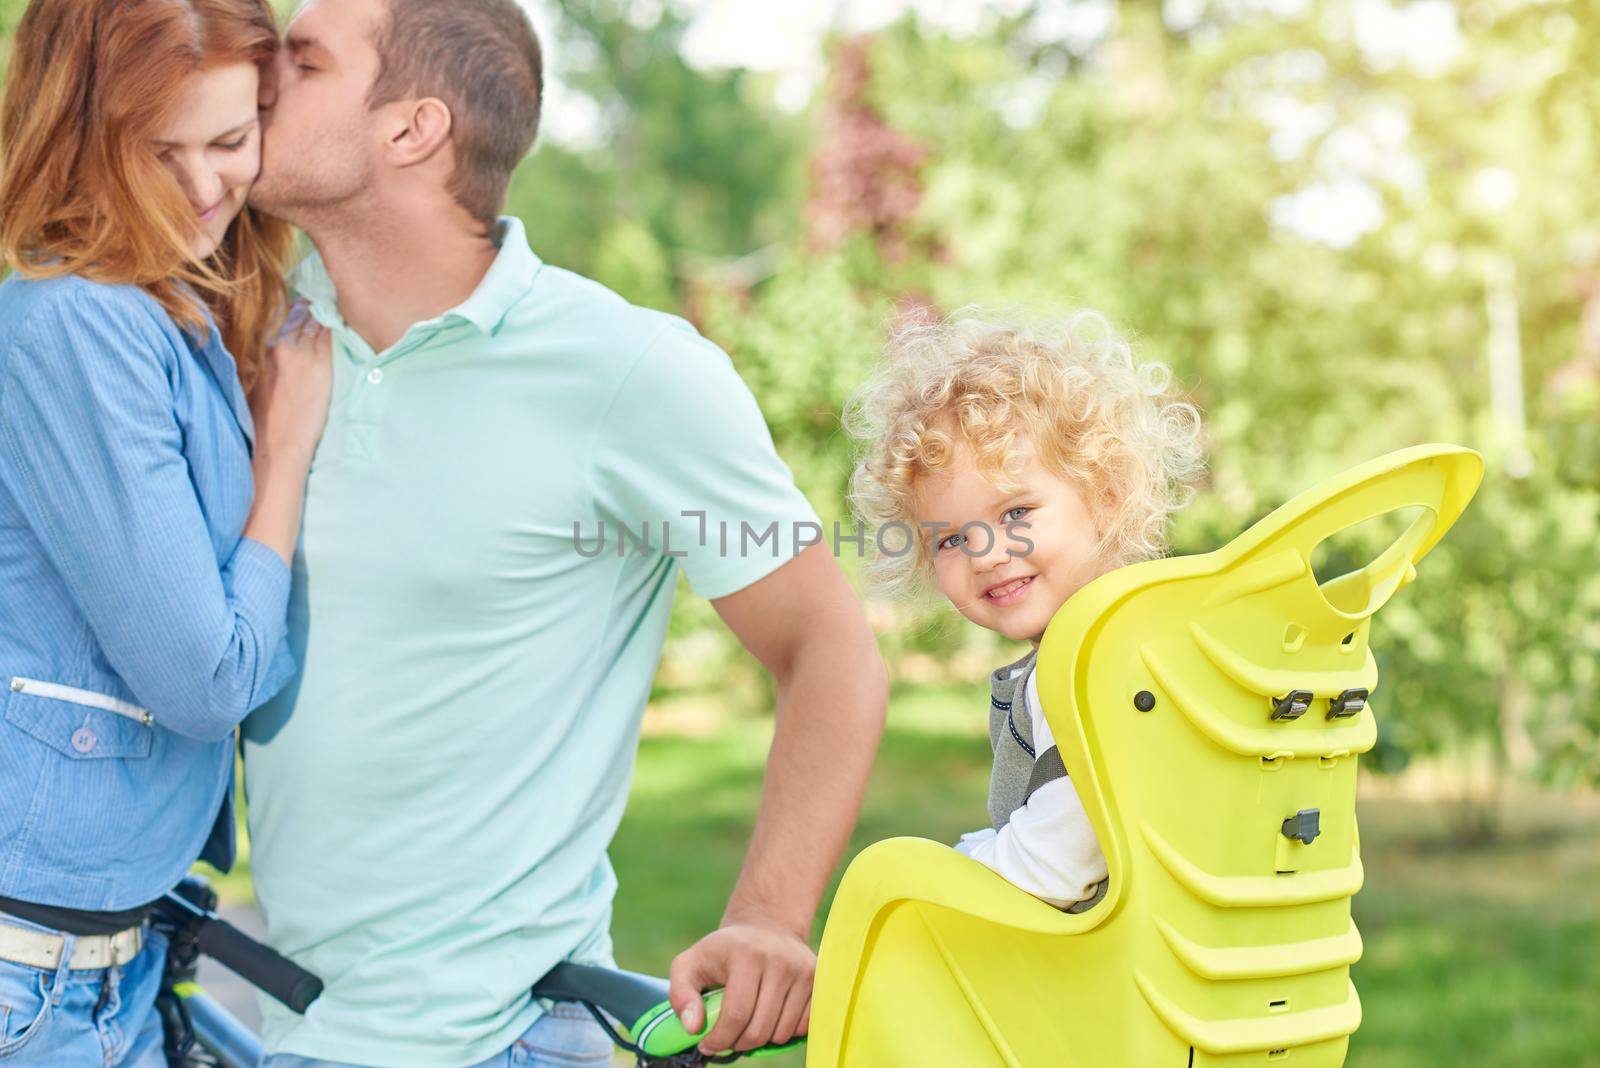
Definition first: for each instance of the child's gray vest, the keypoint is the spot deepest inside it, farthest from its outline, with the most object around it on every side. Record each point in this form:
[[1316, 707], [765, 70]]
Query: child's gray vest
[[1018, 769]]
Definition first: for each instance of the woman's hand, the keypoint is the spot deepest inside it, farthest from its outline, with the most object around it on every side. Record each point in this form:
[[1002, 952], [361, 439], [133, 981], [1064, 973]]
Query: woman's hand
[[289, 403]]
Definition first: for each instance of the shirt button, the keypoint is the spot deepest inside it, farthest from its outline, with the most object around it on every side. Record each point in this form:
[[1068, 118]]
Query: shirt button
[[375, 375], [84, 740]]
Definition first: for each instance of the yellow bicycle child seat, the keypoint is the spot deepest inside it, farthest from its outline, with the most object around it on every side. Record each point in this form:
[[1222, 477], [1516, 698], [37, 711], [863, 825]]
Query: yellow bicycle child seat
[[1209, 710]]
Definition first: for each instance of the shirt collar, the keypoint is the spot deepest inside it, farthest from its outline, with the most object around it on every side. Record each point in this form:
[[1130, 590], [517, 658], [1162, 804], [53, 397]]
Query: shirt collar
[[508, 279]]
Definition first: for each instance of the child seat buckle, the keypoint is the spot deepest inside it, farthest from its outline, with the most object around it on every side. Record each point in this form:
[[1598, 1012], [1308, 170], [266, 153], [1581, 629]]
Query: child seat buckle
[[1348, 703], [1291, 705], [1304, 825]]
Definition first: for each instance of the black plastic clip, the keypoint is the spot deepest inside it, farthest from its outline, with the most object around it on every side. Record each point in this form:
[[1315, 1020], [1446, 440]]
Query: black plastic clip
[[1291, 705], [1304, 825], [1347, 704]]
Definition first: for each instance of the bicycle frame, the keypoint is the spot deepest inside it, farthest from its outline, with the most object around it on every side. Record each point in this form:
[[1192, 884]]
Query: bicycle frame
[[214, 1039], [200, 1033]]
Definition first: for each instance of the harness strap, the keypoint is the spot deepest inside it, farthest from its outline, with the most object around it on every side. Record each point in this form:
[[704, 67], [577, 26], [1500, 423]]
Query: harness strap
[[1048, 768]]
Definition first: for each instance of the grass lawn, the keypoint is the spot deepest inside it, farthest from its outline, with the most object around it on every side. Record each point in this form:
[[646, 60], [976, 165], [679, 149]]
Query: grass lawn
[[1488, 957]]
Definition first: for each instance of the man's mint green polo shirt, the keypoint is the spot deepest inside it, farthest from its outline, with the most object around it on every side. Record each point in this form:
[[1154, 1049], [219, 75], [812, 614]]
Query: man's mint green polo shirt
[[431, 800]]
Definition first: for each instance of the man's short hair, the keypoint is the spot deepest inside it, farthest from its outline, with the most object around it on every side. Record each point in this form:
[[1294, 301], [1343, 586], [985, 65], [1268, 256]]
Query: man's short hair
[[481, 57]]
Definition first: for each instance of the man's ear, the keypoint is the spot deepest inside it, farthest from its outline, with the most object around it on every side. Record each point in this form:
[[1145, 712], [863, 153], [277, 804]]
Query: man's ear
[[424, 130]]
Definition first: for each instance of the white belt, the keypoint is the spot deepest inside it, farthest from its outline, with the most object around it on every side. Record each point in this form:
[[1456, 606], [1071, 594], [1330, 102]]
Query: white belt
[[40, 949]]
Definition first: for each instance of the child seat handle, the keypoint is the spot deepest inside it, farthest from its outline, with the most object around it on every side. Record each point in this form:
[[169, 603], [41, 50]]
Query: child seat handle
[[1438, 478]]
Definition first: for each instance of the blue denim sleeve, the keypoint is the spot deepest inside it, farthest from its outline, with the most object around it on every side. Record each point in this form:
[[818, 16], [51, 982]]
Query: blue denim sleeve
[[94, 456]]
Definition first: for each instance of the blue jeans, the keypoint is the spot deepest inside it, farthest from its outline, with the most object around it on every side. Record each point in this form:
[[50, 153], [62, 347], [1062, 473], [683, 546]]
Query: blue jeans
[[94, 1018], [564, 1037]]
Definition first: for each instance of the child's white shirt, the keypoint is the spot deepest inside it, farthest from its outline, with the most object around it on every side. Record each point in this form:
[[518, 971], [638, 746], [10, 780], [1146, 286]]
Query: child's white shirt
[[1048, 846]]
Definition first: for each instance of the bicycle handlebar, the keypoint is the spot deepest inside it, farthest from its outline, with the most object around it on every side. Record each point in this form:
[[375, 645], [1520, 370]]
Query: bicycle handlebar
[[640, 1004], [257, 964]]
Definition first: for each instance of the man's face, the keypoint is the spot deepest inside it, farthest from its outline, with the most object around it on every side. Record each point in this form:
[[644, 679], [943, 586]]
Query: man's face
[[319, 140]]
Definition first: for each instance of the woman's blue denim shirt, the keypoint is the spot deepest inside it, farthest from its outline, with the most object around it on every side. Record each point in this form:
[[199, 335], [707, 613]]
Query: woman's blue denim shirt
[[137, 627]]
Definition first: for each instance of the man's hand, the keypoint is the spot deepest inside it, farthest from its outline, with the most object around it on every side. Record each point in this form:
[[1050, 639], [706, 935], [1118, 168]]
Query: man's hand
[[766, 970]]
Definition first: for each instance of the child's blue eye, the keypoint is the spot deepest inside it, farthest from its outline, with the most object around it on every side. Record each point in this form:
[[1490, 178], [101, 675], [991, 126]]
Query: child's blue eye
[[951, 541], [1014, 515]]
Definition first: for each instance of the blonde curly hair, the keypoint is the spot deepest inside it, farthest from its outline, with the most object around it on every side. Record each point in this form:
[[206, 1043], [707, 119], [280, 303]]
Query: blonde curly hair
[[1070, 386]]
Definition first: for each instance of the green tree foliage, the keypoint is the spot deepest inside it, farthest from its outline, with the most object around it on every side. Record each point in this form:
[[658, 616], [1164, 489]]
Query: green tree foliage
[[687, 169]]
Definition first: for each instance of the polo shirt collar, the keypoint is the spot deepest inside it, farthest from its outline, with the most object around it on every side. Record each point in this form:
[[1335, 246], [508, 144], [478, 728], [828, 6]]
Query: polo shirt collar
[[508, 279]]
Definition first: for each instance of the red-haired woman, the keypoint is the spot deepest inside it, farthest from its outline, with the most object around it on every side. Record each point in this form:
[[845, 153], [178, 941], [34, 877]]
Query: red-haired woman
[[148, 513]]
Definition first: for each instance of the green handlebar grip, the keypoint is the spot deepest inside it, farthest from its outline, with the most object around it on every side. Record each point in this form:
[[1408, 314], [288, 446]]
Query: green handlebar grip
[[659, 1032]]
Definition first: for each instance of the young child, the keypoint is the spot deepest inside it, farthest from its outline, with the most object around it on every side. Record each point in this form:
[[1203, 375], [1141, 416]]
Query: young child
[[1029, 459]]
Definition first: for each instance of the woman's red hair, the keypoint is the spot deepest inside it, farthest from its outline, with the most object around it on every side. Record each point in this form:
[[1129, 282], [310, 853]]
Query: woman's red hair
[[81, 191]]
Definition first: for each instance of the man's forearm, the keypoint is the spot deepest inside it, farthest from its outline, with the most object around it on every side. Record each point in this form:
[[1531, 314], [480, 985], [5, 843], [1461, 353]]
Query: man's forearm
[[830, 715], [805, 625]]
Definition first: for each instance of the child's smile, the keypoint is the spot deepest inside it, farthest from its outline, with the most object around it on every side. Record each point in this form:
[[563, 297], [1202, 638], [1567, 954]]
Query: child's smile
[[1008, 592]]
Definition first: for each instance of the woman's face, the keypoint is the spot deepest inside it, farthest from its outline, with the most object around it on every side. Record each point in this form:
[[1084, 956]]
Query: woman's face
[[212, 145]]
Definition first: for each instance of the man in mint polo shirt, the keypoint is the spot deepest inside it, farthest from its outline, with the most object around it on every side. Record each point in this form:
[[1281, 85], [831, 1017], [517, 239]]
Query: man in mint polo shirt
[[431, 801]]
